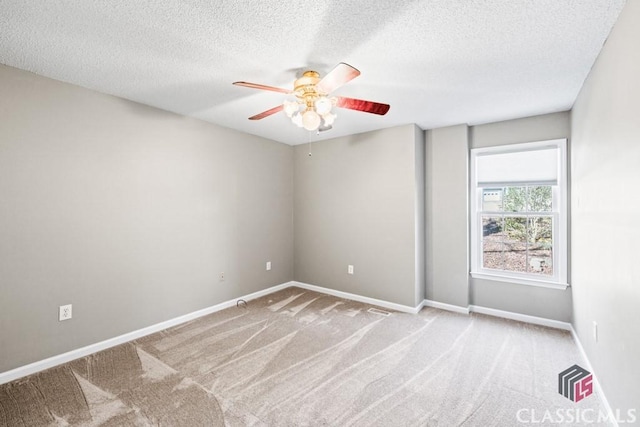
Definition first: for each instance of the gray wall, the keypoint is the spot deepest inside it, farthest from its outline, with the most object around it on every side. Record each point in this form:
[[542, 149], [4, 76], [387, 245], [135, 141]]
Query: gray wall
[[527, 129], [606, 212], [127, 212], [447, 215], [447, 218], [420, 213], [534, 301], [356, 202]]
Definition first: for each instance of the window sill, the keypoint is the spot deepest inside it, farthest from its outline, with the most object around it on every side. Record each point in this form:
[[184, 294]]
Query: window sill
[[520, 281]]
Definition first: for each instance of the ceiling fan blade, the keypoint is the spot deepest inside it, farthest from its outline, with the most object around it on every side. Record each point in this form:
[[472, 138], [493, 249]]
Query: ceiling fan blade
[[362, 105], [267, 113], [341, 74], [262, 87]]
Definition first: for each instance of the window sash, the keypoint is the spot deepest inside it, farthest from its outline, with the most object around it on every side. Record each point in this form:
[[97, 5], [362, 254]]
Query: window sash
[[556, 256], [559, 213]]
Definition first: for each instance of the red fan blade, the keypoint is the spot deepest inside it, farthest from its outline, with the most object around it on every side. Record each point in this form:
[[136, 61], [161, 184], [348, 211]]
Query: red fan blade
[[267, 113], [262, 87], [361, 105], [341, 74]]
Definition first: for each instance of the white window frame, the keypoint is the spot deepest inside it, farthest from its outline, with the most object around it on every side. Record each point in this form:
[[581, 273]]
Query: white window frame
[[559, 213]]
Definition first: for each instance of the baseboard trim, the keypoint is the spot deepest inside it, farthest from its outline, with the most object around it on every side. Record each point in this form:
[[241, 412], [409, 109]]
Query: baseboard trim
[[359, 298], [50, 362], [445, 306], [598, 388], [53, 361], [521, 317]]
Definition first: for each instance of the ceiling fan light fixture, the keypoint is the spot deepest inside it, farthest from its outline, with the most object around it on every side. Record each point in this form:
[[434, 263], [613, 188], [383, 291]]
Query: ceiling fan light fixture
[[329, 118], [297, 119], [310, 120], [312, 107], [290, 108], [323, 105]]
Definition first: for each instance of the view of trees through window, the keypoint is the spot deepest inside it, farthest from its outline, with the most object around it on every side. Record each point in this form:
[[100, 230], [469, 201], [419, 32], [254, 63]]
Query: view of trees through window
[[517, 229]]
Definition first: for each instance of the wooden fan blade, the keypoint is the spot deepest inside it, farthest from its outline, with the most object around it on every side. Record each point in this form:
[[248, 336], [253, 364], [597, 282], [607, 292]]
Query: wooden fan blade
[[362, 105], [341, 74], [267, 113], [262, 87]]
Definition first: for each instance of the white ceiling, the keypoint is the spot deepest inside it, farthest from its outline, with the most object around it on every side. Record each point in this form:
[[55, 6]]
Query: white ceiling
[[436, 62]]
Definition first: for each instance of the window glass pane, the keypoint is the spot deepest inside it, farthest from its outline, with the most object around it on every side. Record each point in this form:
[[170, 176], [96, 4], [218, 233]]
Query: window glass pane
[[492, 236], [521, 244], [492, 199], [539, 198], [515, 244], [515, 199], [521, 198], [540, 245]]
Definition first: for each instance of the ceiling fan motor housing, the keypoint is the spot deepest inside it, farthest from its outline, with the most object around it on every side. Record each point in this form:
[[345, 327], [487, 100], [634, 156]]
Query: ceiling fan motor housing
[[305, 87]]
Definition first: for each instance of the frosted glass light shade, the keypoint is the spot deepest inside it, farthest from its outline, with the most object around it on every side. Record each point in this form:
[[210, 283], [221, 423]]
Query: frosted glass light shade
[[290, 108], [297, 119], [323, 106], [310, 120], [329, 119]]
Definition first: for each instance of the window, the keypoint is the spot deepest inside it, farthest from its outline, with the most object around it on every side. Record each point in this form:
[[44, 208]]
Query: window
[[518, 213]]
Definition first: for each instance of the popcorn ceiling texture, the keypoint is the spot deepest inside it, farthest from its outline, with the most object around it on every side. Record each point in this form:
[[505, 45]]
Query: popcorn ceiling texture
[[438, 63]]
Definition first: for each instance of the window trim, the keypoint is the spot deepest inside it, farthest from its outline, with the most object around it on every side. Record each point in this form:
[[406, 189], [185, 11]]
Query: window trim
[[560, 228]]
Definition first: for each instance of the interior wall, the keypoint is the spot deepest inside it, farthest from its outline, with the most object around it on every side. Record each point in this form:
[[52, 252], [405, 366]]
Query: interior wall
[[355, 203], [447, 215], [606, 210], [420, 215], [524, 299], [129, 213]]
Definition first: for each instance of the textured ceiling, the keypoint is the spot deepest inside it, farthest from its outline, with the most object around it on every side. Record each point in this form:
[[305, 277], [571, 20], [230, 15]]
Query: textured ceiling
[[437, 62]]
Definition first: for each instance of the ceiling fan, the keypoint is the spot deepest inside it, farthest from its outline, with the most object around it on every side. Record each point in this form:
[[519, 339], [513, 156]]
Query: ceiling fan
[[311, 108]]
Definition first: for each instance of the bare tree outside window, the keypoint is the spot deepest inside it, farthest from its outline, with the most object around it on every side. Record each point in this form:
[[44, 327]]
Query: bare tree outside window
[[518, 233]]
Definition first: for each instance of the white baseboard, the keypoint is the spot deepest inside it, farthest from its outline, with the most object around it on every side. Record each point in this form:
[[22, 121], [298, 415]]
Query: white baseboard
[[596, 383], [521, 317], [103, 345], [499, 313], [41, 365], [359, 298], [444, 306]]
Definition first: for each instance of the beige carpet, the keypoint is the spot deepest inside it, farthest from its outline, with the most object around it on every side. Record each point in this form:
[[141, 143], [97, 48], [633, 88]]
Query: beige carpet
[[298, 358]]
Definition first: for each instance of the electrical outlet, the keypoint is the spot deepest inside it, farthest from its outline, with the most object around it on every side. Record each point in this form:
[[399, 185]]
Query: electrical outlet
[[222, 276], [65, 312], [268, 265], [350, 269], [595, 331]]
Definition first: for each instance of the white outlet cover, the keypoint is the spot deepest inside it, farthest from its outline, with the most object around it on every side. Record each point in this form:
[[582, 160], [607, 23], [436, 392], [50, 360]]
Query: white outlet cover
[[65, 312], [350, 269], [268, 265]]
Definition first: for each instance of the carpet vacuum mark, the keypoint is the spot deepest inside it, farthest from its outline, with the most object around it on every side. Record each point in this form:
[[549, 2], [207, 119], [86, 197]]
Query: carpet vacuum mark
[[301, 358]]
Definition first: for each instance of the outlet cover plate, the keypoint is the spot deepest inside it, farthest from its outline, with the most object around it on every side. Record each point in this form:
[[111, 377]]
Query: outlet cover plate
[[65, 312]]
